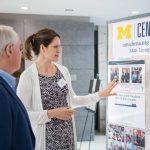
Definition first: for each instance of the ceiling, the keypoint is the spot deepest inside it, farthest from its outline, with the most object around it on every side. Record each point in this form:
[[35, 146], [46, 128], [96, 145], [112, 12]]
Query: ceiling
[[99, 11]]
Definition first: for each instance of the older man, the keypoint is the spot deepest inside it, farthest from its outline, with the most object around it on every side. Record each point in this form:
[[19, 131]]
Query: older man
[[15, 128]]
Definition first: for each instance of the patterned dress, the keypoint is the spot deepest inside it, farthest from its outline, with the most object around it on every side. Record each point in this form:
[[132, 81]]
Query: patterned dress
[[59, 133]]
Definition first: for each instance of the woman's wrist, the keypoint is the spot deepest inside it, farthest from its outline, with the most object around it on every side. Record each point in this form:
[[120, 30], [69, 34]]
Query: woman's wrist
[[100, 94], [103, 93], [50, 113]]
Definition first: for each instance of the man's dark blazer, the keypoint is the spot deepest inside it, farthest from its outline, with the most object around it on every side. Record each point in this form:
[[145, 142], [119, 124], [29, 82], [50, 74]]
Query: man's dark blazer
[[15, 128]]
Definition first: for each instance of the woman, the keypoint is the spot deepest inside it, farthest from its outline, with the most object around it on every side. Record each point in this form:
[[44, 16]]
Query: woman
[[46, 91]]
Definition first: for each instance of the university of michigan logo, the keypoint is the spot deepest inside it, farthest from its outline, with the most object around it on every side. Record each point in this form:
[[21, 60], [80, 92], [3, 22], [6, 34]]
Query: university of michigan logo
[[124, 32]]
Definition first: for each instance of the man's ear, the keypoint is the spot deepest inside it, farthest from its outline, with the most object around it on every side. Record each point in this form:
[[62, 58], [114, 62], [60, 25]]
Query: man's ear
[[9, 50]]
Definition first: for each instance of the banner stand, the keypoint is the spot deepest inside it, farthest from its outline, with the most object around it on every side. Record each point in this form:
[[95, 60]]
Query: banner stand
[[128, 114]]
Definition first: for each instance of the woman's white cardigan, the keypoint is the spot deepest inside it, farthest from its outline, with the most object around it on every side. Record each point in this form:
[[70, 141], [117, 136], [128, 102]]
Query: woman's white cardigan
[[29, 92]]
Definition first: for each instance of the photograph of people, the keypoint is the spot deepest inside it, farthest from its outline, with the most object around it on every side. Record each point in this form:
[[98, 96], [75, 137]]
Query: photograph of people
[[136, 137], [116, 133], [142, 139], [114, 74], [46, 91], [115, 146], [129, 145], [136, 75], [125, 77]]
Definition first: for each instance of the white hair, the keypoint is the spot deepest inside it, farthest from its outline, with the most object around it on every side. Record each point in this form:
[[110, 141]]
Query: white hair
[[7, 36]]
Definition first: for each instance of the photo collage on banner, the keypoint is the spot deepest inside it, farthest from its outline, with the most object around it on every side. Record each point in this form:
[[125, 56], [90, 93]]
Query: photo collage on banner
[[125, 138]]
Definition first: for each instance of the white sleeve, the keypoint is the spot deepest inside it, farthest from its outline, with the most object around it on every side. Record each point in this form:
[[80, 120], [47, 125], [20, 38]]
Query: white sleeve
[[85, 100], [81, 100], [25, 93]]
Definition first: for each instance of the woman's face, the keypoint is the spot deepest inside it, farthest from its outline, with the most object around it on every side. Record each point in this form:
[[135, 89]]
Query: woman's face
[[53, 50]]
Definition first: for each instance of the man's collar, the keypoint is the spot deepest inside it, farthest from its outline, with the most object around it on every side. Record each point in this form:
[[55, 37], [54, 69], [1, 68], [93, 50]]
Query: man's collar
[[9, 79]]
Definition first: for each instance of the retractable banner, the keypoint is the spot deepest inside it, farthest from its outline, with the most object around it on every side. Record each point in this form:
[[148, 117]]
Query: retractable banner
[[128, 123]]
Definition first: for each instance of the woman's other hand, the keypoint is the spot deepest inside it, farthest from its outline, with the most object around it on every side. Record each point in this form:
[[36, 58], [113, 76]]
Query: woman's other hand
[[63, 113]]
